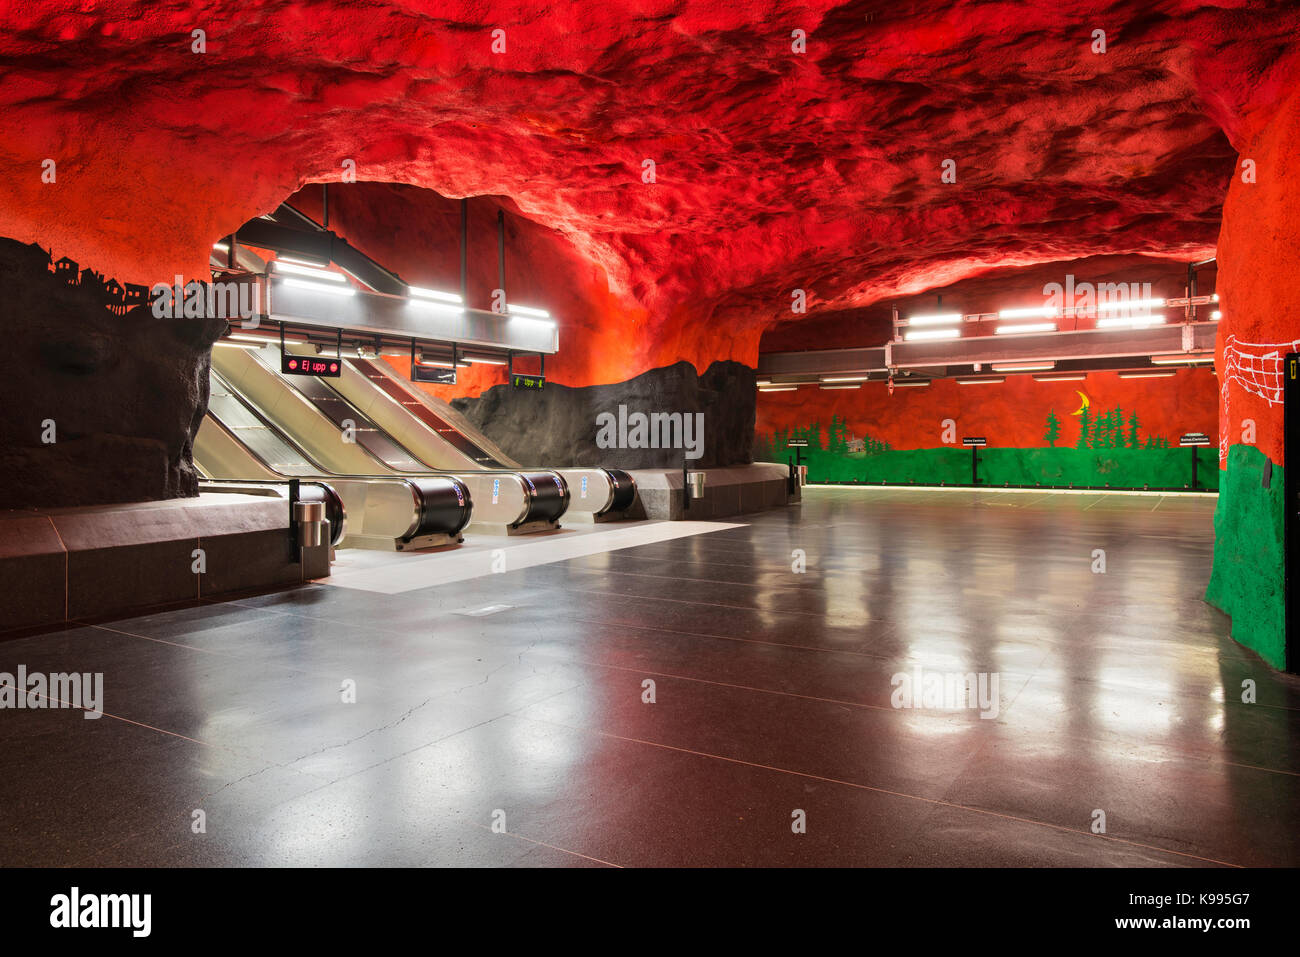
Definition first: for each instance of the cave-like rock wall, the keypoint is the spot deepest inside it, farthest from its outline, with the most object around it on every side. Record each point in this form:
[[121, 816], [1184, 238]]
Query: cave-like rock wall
[[1259, 280], [99, 404], [561, 425], [779, 163]]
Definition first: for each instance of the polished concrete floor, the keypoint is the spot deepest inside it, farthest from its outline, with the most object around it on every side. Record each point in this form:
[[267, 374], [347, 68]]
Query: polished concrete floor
[[515, 700]]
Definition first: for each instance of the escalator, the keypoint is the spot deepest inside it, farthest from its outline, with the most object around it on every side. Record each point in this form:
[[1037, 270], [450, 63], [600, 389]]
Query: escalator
[[237, 443], [337, 437], [414, 420]]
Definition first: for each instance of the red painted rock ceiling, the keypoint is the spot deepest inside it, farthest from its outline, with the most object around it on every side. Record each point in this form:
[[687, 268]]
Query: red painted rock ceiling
[[775, 170]]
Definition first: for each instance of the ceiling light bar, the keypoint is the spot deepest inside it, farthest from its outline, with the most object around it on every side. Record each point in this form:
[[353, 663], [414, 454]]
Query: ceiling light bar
[[1023, 366], [845, 378], [1129, 322], [1176, 360], [910, 383], [1216, 316], [778, 388], [1163, 374], [1062, 377], [512, 309], [936, 319], [933, 334], [344, 290], [1121, 304], [481, 360], [1046, 312], [420, 360], [982, 380], [285, 258], [293, 269], [1026, 327], [431, 305], [855, 386], [419, 292]]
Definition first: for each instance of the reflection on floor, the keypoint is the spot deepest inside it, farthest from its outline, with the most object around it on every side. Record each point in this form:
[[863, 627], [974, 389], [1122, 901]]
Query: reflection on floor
[[518, 699]]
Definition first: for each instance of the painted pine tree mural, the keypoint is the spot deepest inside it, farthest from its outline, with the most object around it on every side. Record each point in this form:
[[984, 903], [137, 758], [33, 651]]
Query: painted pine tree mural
[[1085, 427], [1053, 428]]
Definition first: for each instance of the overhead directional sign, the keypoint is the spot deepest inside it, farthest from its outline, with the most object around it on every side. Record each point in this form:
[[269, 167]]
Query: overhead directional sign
[[521, 381], [1194, 438], [797, 444], [974, 440], [325, 366]]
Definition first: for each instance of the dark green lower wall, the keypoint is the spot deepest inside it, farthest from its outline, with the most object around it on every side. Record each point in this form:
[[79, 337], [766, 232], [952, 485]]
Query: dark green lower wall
[[1049, 467], [1247, 579]]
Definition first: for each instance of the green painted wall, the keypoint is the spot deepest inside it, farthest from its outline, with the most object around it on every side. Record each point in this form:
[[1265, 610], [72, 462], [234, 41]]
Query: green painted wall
[[1246, 582], [1117, 467]]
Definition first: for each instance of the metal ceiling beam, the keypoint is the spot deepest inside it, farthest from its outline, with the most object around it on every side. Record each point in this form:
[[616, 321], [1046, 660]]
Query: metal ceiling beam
[[1081, 344], [1091, 348], [297, 235]]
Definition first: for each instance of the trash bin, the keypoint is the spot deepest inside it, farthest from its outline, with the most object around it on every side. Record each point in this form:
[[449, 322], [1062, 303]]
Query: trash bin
[[310, 517], [803, 475], [695, 482]]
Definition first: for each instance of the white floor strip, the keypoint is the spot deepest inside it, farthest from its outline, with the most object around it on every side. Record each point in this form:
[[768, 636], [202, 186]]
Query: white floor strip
[[391, 573]]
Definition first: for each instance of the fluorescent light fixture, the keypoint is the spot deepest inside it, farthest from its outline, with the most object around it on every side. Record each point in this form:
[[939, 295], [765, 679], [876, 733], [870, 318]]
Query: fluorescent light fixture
[[982, 380], [1025, 328], [310, 272], [419, 292], [1216, 316], [512, 309], [432, 306], [1062, 377], [420, 360], [1164, 374], [263, 340], [1215, 297], [1177, 360], [222, 246], [1047, 312], [910, 383], [845, 378], [857, 386], [344, 290], [1023, 366], [779, 388], [933, 334], [481, 360], [526, 320], [1129, 322], [937, 319], [1121, 304], [282, 258], [762, 382]]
